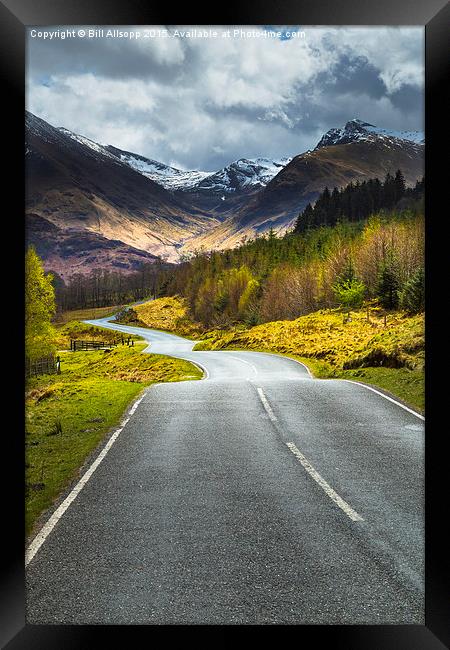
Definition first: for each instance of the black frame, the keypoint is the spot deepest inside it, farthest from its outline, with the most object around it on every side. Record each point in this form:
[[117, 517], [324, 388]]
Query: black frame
[[15, 16]]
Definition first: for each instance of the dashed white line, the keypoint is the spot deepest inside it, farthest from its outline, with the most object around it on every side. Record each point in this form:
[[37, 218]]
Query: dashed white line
[[266, 405], [244, 361], [56, 516], [334, 496]]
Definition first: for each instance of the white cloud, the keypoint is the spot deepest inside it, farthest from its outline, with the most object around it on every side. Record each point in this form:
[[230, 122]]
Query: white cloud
[[205, 102]]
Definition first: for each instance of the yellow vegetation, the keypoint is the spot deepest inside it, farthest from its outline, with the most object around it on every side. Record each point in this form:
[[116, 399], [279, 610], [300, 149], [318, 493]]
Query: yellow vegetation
[[323, 335], [168, 314]]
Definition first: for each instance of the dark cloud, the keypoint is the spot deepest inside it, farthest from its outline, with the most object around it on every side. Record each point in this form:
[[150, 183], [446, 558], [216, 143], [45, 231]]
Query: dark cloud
[[203, 104], [408, 99]]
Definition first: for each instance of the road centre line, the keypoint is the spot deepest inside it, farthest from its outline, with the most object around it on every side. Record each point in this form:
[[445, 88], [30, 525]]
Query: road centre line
[[334, 496], [266, 405], [59, 512]]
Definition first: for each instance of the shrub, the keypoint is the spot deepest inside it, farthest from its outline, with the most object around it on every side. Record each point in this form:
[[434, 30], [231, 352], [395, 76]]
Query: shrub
[[349, 293], [126, 315]]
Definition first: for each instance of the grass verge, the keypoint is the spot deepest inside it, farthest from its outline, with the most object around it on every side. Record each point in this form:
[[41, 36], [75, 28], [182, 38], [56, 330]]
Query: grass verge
[[389, 357], [68, 415], [61, 318]]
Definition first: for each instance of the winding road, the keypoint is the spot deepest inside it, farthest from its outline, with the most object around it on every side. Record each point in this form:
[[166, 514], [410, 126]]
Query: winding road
[[255, 496]]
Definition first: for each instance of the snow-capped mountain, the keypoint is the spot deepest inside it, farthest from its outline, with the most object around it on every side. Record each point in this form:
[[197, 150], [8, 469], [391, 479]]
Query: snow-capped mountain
[[238, 175], [169, 177], [92, 205], [242, 174], [75, 185], [356, 152], [358, 131]]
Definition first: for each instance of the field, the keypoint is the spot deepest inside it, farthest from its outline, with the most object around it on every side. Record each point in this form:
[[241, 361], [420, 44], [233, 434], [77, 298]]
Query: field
[[68, 415], [63, 317]]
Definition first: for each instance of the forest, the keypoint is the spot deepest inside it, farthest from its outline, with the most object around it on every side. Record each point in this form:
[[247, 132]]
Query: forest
[[364, 242]]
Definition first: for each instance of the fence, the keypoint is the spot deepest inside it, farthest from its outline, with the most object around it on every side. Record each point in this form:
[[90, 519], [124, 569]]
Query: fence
[[77, 344], [47, 365]]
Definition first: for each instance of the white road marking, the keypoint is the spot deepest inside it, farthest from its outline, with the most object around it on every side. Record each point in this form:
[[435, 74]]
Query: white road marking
[[56, 516], [199, 365], [343, 505], [421, 417], [247, 362], [266, 405], [281, 356]]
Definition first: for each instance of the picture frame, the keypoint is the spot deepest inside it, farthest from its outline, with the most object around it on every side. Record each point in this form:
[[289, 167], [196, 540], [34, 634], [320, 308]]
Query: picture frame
[[434, 15]]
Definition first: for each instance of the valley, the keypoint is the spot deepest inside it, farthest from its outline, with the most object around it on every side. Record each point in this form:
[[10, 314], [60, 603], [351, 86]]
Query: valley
[[96, 206]]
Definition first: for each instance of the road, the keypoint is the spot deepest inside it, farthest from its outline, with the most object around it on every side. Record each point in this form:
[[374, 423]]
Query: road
[[255, 496]]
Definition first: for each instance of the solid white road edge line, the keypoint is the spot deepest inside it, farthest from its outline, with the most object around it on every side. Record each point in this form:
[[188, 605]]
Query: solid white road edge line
[[421, 417], [334, 496], [56, 516], [266, 405]]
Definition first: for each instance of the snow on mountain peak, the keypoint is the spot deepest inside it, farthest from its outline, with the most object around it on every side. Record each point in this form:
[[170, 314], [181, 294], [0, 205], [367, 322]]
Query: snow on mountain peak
[[242, 174], [357, 130]]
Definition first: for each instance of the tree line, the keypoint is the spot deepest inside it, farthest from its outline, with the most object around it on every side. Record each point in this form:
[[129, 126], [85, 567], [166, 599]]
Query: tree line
[[357, 201], [381, 258], [360, 253], [103, 287]]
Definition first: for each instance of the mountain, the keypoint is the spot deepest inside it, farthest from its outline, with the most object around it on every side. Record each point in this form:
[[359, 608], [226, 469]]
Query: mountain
[[358, 131], [243, 174], [169, 177], [220, 193], [78, 186], [91, 205], [67, 252], [239, 175], [355, 152]]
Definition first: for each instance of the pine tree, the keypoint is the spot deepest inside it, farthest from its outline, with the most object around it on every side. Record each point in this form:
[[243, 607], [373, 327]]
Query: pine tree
[[388, 284], [412, 296], [388, 191], [305, 219], [399, 185]]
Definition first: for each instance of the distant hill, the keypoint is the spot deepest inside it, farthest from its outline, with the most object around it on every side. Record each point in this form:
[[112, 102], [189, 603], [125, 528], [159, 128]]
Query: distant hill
[[103, 206]]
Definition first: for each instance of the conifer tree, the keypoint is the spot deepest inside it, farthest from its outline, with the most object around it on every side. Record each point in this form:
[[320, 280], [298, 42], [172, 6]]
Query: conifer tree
[[388, 284], [399, 185], [412, 296]]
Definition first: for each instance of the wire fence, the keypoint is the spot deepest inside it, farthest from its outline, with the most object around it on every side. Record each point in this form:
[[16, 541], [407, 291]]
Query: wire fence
[[47, 365]]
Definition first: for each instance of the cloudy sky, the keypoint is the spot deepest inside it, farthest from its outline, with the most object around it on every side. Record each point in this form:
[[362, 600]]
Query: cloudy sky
[[200, 103]]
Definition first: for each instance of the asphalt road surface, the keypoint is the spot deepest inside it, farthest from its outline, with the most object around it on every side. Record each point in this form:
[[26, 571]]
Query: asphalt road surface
[[256, 496]]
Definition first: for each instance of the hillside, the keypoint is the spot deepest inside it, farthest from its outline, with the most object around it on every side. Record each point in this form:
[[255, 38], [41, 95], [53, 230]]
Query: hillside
[[78, 186], [329, 165], [131, 209]]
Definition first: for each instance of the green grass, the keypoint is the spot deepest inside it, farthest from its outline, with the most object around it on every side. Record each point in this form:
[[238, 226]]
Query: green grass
[[86, 400], [78, 330], [61, 318], [169, 314]]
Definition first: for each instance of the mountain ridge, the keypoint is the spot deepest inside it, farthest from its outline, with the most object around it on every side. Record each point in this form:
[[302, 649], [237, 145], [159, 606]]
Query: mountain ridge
[[79, 185]]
